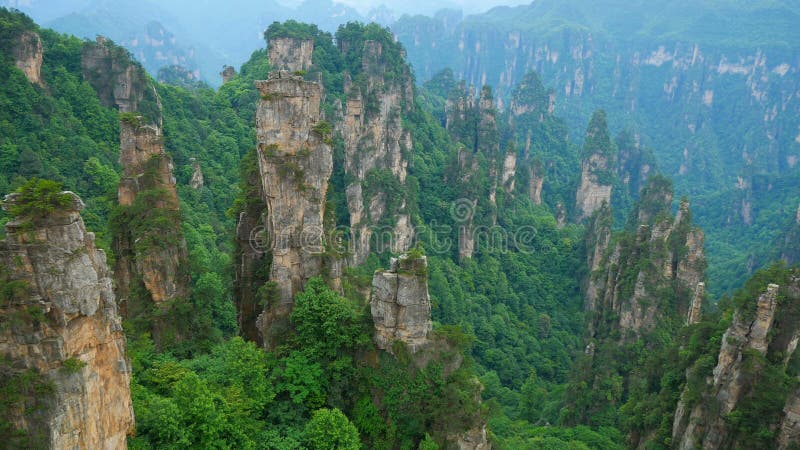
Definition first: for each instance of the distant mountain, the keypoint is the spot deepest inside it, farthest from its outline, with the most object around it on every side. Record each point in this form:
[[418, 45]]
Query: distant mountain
[[711, 87]]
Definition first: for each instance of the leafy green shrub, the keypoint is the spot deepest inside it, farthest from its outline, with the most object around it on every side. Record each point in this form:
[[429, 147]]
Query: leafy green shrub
[[72, 365], [37, 198]]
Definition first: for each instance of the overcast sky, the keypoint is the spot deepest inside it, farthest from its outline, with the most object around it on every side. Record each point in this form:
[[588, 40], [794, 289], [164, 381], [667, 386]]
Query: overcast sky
[[424, 6]]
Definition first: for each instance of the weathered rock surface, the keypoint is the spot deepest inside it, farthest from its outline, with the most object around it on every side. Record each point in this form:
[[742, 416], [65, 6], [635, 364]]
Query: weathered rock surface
[[162, 268], [76, 342], [295, 165], [474, 439], [28, 56], [535, 185], [593, 191], [401, 307], [290, 54], [118, 81], [376, 143], [705, 425], [197, 181], [665, 253]]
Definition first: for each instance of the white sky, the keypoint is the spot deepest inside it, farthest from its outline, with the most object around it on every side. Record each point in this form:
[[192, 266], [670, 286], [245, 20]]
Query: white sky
[[423, 6]]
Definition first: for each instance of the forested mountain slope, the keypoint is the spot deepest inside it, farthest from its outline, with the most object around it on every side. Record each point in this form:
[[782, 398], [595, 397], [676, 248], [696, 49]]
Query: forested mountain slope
[[709, 87], [321, 254]]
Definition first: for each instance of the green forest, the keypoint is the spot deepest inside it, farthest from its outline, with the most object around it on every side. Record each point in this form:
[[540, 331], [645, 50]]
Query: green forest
[[511, 328]]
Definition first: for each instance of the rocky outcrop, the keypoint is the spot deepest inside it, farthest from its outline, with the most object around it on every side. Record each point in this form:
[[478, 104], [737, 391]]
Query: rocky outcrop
[[150, 248], [664, 253], [474, 439], [703, 427], [376, 148], [598, 168], [480, 167], [535, 184], [696, 307], [227, 74], [197, 181], [119, 81], [295, 165], [400, 304], [593, 191], [60, 320], [761, 339], [290, 54], [27, 55]]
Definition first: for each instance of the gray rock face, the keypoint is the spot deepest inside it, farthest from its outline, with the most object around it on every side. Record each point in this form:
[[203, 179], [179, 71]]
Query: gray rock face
[[592, 192], [28, 56], [675, 261], [400, 305], [705, 425], [290, 54], [375, 143], [66, 278], [145, 167], [118, 81], [295, 165]]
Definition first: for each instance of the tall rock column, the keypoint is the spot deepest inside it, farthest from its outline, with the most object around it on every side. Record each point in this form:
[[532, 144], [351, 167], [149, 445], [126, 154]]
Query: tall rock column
[[151, 250], [59, 320], [28, 56], [376, 149], [705, 425], [597, 168], [295, 165], [665, 254]]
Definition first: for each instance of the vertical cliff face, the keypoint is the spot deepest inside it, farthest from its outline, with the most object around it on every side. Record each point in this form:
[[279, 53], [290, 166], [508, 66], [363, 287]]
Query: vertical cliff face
[[150, 248], [400, 304], [154, 256], [480, 167], [376, 153], [635, 276], [27, 55], [760, 342], [290, 54], [597, 168], [59, 319], [757, 359], [119, 81], [295, 165]]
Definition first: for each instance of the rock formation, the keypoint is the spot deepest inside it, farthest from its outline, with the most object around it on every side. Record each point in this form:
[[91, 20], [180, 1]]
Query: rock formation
[[197, 181], [593, 191], [789, 434], [147, 254], [376, 148], [227, 74], [295, 165], [60, 321], [701, 427], [662, 252], [27, 55], [401, 307], [119, 81], [535, 184], [290, 54], [762, 339], [471, 121], [150, 248], [597, 168]]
